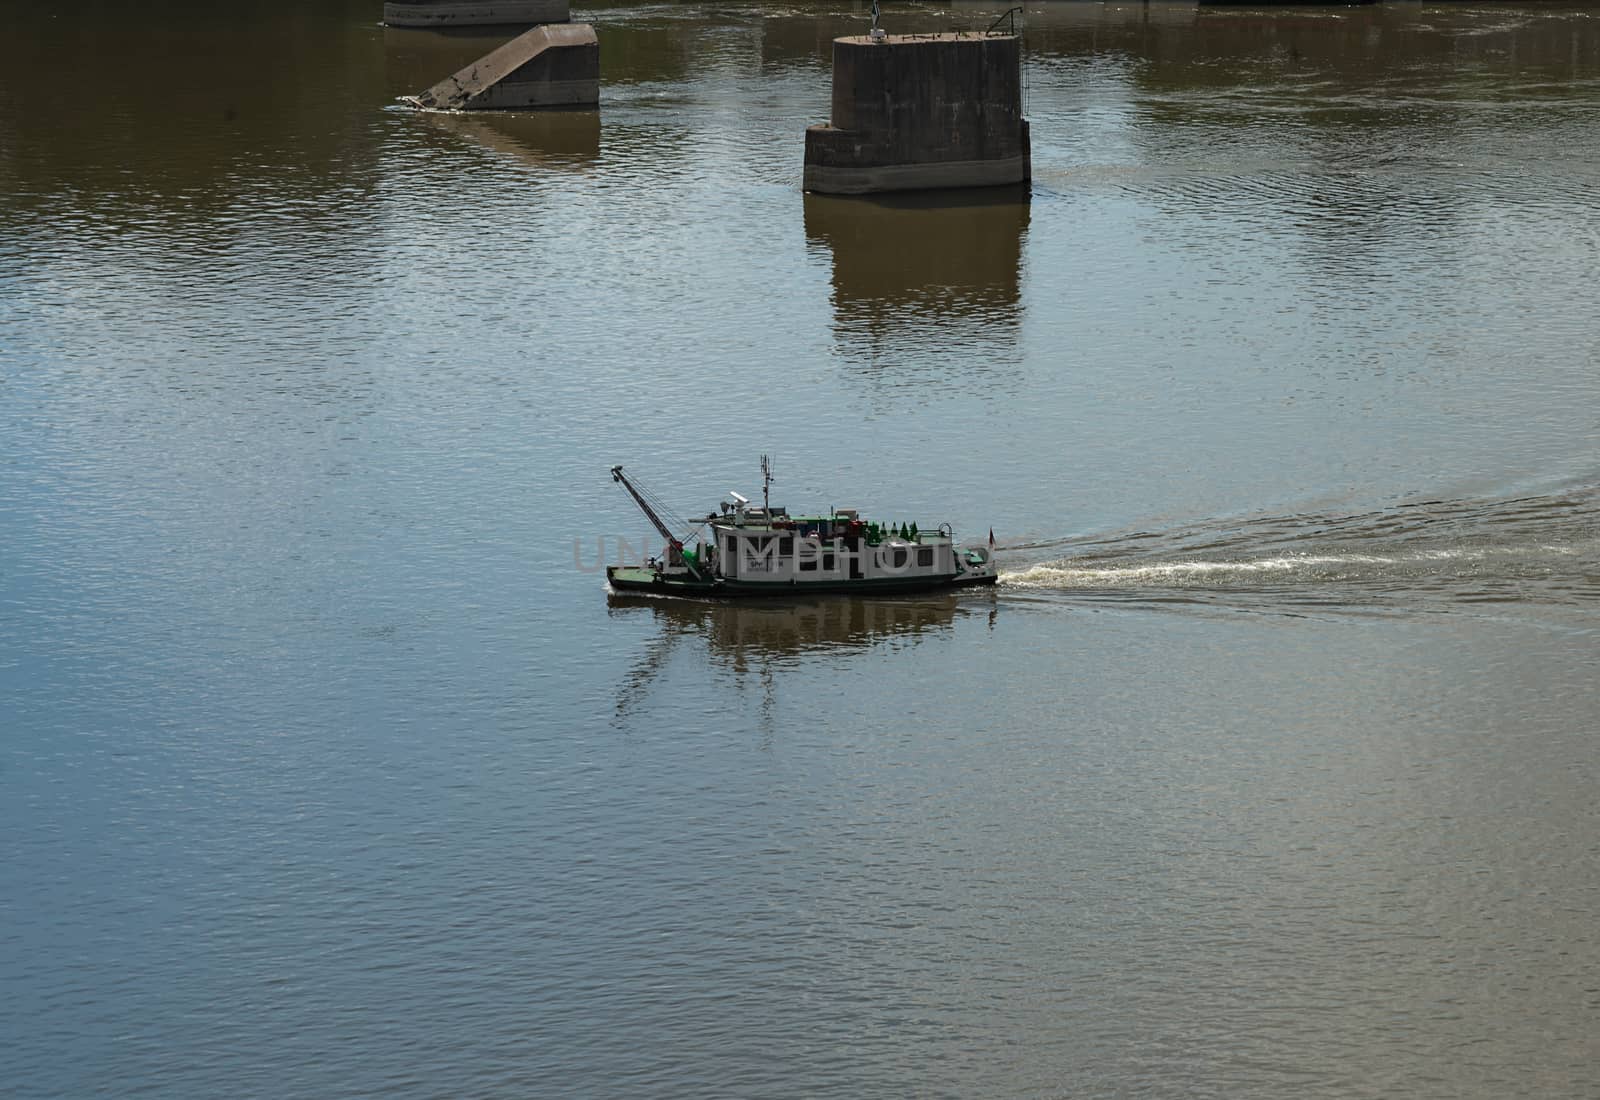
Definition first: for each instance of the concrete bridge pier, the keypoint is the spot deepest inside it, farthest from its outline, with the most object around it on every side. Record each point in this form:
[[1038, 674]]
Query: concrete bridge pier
[[438, 14], [921, 111]]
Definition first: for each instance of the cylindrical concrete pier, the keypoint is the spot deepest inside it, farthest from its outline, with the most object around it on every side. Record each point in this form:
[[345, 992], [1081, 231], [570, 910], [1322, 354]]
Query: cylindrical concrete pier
[[921, 111]]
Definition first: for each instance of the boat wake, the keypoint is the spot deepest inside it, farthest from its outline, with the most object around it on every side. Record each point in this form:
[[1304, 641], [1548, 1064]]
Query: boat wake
[[1431, 554]]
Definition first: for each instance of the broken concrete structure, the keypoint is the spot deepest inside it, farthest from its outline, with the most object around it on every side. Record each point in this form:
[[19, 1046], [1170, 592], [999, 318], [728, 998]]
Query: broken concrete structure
[[475, 13], [549, 66], [919, 111]]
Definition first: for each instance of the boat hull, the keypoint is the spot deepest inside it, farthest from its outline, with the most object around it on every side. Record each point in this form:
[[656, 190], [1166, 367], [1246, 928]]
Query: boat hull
[[633, 579]]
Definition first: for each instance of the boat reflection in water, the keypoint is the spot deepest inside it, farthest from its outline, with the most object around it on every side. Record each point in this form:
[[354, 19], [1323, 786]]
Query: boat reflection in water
[[924, 269], [779, 628], [759, 637]]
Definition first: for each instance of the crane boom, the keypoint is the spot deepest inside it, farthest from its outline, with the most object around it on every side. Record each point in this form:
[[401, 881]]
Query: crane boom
[[677, 556], [644, 506]]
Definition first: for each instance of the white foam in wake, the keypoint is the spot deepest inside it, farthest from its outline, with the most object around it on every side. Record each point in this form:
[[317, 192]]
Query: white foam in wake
[[1176, 572], [1282, 567]]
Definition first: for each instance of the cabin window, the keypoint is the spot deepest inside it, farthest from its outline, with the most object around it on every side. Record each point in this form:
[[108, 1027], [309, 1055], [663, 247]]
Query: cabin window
[[808, 565], [827, 563], [899, 559], [786, 546], [925, 555]]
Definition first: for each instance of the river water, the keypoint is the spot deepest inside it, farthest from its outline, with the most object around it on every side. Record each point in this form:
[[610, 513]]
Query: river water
[[330, 769]]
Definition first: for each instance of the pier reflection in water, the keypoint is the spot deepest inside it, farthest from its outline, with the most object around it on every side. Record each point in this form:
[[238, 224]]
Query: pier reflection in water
[[555, 139], [939, 266]]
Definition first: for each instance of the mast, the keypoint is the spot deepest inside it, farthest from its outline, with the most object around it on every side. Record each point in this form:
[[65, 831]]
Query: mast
[[766, 487], [644, 506]]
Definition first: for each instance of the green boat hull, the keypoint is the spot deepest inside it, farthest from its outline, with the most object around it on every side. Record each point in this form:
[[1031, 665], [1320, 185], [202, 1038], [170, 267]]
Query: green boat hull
[[634, 579]]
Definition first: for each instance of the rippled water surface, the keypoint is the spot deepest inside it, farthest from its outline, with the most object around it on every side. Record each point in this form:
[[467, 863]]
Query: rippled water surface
[[329, 767]]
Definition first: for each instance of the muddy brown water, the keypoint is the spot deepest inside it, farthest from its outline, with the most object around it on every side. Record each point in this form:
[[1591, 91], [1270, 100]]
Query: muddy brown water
[[330, 769]]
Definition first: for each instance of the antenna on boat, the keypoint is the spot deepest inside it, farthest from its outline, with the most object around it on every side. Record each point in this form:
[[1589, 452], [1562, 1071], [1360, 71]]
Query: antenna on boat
[[766, 486]]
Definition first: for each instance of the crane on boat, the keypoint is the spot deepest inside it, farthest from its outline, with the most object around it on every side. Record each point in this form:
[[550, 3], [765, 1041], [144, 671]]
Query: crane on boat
[[652, 506]]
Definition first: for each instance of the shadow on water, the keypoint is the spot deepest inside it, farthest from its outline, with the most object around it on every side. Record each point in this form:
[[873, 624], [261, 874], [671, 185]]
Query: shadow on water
[[1427, 556], [909, 269], [189, 172], [193, 104]]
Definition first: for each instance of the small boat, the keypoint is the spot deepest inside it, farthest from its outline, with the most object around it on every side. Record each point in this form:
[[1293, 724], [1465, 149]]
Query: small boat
[[742, 550]]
